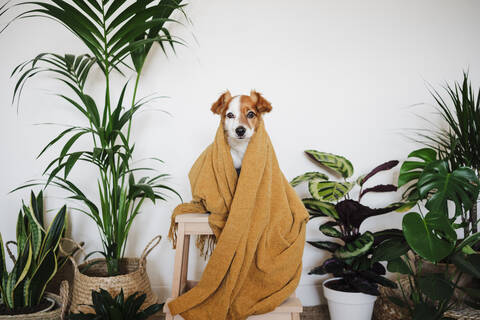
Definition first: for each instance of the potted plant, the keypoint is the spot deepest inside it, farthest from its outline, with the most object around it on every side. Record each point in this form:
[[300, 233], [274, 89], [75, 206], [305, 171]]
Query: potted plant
[[355, 262], [22, 290], [119, 36], [117, 308], [458, 140], [436, 273]]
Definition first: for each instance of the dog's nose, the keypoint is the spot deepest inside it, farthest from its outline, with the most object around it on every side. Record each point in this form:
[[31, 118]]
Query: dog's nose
[[240, 131]]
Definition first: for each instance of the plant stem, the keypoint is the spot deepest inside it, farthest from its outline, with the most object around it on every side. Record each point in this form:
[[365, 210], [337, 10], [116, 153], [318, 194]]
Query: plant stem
[[473, 217]]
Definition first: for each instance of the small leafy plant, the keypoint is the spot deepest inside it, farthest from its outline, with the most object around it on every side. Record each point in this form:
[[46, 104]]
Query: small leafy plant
[[357, 257], [37, 259], [108, 308]]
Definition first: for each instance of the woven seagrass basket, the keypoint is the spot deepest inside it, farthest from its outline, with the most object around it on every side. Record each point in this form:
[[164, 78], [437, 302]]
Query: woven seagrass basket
[[59, 311], [133, 279], [463, 312], [387, 310]]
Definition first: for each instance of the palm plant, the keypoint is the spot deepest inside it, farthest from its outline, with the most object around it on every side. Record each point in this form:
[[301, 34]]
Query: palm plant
[[112, 30], [38, 256], [459, 142], [108, 308]]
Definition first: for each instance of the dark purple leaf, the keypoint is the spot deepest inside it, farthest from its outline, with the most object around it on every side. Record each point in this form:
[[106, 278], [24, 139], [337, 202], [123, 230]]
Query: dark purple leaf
[[384, 166], [352, 213], [373, 277], [364, 286], [379, 188], [378, 268]]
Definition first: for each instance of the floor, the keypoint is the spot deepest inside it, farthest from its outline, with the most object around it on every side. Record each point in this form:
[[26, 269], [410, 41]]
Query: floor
[[309, 313]]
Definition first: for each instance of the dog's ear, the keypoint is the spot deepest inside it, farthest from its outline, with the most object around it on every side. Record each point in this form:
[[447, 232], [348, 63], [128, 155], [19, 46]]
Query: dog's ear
[[262, 104], [222, 102]]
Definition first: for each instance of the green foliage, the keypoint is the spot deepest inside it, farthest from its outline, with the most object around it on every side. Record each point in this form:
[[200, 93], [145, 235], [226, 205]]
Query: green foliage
[[108, 308], [458, 141], [334, 162], [434, 182], [352, 257], [113, 31], [38, 257], [329, 190], [442, 185], [359, 246], [432, 237]]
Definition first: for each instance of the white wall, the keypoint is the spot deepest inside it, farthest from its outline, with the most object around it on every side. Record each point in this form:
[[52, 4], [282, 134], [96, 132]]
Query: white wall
[[342, 77]]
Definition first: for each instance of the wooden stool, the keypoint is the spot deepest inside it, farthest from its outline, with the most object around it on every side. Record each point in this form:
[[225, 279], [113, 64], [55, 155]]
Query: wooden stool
[[197, 224]]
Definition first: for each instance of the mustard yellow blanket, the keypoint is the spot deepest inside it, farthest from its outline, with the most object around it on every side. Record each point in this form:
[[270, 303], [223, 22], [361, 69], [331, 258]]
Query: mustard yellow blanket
[[259, 226]]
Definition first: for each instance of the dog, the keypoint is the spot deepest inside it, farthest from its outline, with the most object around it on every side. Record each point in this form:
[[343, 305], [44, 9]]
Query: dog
[[240, 117]]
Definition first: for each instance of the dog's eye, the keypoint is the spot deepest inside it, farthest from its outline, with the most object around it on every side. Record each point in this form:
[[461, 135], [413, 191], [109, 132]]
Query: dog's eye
[[230, 115], [250, 115]]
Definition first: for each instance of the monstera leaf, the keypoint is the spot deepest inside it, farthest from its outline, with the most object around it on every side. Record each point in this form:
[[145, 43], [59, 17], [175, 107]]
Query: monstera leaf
[[459, 186], [329, 190], [433, 237], [307, 177], [318, 208], [410, 170], [334, 162], [356, 248]]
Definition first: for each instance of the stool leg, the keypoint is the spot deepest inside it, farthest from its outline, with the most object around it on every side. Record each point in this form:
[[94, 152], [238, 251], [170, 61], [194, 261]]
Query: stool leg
[[295, 316], [184, 270], [178, 266]]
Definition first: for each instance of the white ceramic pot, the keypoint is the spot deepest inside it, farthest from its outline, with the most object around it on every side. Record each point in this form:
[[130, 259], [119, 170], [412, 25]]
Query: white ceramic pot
[[348, 305]]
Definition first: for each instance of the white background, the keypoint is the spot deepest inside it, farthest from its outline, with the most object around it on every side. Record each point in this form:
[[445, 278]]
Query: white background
[[343, 77]]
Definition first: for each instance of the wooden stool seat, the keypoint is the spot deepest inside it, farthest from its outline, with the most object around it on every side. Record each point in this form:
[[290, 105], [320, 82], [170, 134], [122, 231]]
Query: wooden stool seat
[[197, 224]]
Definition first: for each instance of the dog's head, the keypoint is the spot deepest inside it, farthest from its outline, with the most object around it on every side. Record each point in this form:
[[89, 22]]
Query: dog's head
[[240, 114]]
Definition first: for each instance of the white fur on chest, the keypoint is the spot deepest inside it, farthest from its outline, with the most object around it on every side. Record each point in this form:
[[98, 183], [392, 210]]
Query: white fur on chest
[[237, 150]]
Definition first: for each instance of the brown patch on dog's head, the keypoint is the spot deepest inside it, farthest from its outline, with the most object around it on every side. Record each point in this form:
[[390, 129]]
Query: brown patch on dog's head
[[262, 104], [219, 106]]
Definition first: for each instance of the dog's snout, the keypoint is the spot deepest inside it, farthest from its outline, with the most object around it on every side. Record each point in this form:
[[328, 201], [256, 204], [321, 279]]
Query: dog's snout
[[240, 131]]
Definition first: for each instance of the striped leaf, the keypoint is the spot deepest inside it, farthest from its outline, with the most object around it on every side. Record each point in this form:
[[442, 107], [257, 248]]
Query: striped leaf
[[319, 208], [329, 190], [356, 248], [328, 229], [3, 268], [325, 245], [337, 163], [21, 230], [307, 177], [35, 230], [41, 276]]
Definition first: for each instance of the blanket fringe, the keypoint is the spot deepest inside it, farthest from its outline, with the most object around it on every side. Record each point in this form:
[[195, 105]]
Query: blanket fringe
[[204, 243]]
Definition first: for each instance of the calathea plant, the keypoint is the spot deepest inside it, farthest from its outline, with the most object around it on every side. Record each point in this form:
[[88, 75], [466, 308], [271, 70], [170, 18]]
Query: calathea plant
[[431, 182], [108, 308], [37, 258], [355, 258], [118, 35]]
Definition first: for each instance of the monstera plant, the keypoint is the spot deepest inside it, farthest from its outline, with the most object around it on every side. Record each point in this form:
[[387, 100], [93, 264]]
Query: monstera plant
[[432, 183], [356, 256], [37, 258]]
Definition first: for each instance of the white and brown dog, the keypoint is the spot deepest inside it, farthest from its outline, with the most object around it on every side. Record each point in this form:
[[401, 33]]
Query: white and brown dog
[[240, 116]]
